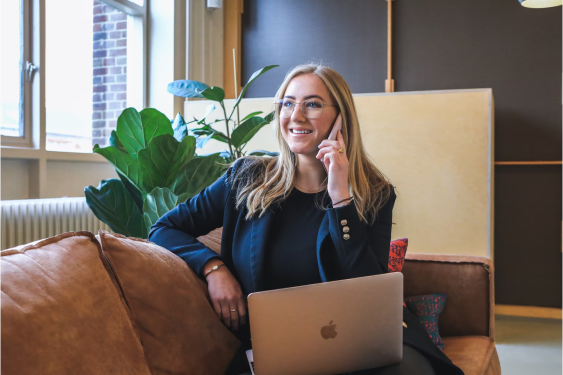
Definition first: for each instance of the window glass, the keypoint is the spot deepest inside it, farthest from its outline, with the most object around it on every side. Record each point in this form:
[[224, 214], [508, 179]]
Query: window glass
[[86, 75], [11, 63]]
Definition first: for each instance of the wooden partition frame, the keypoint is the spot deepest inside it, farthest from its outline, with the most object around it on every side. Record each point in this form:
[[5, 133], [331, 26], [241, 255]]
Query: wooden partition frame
[[233, 10]]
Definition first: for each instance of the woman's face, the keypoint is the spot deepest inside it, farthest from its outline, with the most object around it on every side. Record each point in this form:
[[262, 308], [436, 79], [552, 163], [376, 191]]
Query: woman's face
[[300, 88]]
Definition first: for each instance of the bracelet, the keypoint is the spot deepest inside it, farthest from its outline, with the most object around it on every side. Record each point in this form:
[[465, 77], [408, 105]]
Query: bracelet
[[215, 268], [344, 200]]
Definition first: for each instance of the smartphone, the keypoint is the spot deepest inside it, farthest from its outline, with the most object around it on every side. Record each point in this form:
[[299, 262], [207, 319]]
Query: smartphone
[[332, 136], [336, 128]]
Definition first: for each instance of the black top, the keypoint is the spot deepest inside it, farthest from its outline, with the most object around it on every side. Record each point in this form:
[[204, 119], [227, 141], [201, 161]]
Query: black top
[[291, 257]]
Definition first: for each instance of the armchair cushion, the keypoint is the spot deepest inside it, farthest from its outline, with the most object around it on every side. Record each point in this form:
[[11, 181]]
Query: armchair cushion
[[475, 355], [179, 329], [61, 314]]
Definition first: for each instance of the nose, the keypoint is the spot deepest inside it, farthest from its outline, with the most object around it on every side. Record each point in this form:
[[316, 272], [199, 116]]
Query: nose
[[297, 115]]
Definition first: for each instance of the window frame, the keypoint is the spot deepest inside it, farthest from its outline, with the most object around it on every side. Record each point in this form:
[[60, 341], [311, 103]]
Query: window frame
[[32, 145], [25, 139]]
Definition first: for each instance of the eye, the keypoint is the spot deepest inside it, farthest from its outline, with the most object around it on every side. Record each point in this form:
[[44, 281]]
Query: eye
[[314, 104], [287, 104]]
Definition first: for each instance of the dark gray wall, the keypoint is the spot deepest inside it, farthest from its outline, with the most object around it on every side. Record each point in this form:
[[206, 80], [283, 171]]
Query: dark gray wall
[[349, 36], [516, 51], [438, 45]]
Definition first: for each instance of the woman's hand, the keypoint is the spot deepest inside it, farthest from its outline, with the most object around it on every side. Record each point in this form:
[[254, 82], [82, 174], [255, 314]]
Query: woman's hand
[[226, 295], [336, 164]]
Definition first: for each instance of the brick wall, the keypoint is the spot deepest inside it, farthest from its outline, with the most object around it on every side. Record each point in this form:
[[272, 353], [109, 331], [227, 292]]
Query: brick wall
[[110, 70]]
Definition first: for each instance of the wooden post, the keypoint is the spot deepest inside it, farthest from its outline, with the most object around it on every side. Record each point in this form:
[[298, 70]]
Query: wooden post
[[389, 82], [232, 11]]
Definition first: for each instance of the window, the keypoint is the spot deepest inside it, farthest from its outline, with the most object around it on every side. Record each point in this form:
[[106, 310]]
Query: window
[[88, 73], [12, 62]]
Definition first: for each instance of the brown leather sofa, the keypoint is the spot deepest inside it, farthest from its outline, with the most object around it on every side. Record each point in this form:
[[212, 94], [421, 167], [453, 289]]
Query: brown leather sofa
[[83, 304]]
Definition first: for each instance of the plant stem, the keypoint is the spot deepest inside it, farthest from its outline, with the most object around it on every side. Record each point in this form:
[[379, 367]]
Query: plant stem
[[228, 133]]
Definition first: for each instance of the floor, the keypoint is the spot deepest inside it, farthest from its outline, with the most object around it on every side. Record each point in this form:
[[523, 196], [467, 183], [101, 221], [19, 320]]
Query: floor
[[528, 345]]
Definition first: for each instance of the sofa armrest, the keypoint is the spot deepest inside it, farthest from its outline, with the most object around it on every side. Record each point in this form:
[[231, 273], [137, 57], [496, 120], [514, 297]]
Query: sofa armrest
[[469, 284]]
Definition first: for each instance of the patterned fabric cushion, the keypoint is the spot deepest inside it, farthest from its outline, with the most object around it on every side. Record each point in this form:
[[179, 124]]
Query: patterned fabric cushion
[[397, 253], [427, 308]]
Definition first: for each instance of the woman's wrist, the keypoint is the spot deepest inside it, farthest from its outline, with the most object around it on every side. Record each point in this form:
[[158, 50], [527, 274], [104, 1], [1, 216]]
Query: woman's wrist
[[208, 266], [343, 202]]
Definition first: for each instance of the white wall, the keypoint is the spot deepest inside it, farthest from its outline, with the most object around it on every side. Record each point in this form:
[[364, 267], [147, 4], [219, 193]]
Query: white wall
[[15, 179], [68, 179]]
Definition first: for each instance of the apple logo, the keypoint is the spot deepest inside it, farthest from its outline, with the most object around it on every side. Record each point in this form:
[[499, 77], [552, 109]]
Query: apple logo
[[328, 332]]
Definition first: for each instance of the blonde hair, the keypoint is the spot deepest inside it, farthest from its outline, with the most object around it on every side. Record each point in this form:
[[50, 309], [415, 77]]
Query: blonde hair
[[261, 181]]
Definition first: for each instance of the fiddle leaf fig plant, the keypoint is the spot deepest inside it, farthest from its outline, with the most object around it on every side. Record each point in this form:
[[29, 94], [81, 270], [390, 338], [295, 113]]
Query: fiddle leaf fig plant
[[243, 130], [156, 165], [156, 162]]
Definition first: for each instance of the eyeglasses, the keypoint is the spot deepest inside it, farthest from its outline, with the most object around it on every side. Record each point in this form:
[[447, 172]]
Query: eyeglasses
[[311, 108]]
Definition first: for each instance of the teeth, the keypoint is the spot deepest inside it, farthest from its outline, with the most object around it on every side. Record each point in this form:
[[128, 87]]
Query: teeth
[[301, 132]]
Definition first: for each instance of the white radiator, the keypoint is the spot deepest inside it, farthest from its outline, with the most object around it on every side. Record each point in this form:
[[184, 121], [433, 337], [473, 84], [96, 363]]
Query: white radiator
[[28, 220]]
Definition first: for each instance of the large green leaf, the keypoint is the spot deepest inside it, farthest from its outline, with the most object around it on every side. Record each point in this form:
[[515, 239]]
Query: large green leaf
[[210, 108], [159, 202], [206, 130], [198, 174], [123, 163], [263, 153], [245, 131], [179, 127], [186, 88], [201, 141], [269, 117], [112, 204], [136, 130], [253, 77], [114, 141], [133, 190], [163, 159], [250, 115], [214, 93]]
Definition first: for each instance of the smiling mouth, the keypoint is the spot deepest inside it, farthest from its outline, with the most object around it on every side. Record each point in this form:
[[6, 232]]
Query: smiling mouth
[[300, 131]]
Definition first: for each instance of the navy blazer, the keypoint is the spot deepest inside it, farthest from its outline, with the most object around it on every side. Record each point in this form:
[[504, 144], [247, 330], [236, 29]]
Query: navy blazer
[[244, 242]]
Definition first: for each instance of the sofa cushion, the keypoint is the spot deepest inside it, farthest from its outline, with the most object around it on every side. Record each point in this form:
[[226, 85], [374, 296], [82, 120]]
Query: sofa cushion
[[427, 309], [397, 252], [475, 355], [61, 313], [179, 329]]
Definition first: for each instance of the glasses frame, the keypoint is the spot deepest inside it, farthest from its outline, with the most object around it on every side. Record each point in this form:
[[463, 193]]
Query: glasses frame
[[280, 101]]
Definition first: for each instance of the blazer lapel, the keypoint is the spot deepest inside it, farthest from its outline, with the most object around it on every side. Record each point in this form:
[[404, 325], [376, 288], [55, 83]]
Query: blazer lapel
[[259, 235]]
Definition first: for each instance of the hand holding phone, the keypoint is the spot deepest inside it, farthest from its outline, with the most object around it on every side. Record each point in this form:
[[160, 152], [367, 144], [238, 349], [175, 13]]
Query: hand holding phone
[[332, 136]]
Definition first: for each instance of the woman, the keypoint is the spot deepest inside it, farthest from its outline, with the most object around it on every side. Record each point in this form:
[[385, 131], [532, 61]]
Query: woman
[[288, 221]]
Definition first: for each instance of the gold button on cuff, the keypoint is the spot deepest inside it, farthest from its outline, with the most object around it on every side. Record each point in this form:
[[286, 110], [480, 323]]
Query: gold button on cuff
[[404, 324], [346, 229], [344, 222], [346, 236]]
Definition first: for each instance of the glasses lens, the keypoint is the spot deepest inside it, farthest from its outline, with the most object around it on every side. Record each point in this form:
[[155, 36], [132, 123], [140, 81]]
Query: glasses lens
[[285, 108], [312, 108]]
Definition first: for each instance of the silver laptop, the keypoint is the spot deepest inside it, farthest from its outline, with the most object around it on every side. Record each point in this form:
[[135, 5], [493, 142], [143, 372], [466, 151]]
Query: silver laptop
[[328, 328]]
